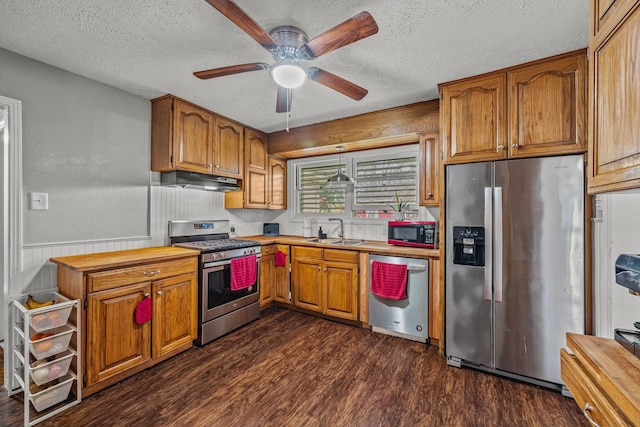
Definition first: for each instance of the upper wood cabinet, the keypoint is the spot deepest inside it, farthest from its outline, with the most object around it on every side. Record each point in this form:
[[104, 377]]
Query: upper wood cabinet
[[190, 138], [614, 96], [473, 119], [265, 177], [277, 184], [430, 162], [535, 109], [181, 136], [228, 153]]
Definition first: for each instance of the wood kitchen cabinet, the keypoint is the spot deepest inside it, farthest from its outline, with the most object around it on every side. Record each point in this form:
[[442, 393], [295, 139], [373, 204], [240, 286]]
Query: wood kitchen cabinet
[[534, 109], [267, 275], [265, 177], [603, 379], [110, 285], [614, 96], [277, 184], [274, 280], [187, 137], [326, 281], [182, 136], [228, 152], [430, 163]]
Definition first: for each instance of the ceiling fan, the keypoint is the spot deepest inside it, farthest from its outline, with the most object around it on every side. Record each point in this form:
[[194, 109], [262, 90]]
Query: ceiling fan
[[290, 47]]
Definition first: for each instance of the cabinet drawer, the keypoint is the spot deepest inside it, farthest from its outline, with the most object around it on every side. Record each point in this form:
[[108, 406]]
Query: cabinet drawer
[[127, 276], [269, 250], [585, 391], [341, 255], [306, 252]]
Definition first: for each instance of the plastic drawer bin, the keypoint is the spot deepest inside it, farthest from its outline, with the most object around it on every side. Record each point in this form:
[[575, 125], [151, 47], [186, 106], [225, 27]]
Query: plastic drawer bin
[[49, 319], [52, 370], [54, 394], [54, 344]]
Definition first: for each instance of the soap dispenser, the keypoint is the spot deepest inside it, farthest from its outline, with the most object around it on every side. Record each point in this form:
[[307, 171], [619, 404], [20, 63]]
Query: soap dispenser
[[319, 232]]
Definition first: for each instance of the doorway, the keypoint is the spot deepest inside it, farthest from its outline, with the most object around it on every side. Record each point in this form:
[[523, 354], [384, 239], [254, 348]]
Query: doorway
[[10, 206]]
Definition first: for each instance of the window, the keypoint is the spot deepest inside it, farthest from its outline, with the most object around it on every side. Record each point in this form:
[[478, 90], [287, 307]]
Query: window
[[314, 196], [379, 180], [378, 175]]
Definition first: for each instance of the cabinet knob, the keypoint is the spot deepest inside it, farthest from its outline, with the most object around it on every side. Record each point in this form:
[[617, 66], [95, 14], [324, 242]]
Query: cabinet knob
[[500, 147], [159, 292], [151, 273], [429, 194], [147, 295], [325, 269], [210, 165], [319, 268], [516, 146]]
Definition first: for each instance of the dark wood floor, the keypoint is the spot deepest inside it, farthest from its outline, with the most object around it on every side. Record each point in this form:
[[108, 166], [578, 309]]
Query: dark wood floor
[[291, 369]]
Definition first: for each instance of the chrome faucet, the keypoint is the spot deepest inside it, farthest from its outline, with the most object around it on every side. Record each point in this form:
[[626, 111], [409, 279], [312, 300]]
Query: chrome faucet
[[341, 233]]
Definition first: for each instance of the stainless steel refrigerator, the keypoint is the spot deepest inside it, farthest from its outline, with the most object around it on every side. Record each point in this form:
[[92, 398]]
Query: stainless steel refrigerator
[[514, 264]]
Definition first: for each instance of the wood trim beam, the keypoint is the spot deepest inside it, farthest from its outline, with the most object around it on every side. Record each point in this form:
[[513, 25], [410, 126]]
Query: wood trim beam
[[384, 128]]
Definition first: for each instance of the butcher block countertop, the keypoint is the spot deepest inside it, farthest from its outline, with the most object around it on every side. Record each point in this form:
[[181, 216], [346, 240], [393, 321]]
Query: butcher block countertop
[[371, 246], [115, 259]]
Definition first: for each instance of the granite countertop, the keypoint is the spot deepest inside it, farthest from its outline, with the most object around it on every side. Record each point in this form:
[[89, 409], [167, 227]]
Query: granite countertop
[[371, 246]]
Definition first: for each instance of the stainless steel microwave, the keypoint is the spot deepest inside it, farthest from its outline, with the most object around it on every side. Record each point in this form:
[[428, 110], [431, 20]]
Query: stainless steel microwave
[[423, 234]]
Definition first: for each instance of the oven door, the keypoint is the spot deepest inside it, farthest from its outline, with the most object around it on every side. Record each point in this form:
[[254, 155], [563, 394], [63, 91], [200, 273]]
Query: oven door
[[217, 298]]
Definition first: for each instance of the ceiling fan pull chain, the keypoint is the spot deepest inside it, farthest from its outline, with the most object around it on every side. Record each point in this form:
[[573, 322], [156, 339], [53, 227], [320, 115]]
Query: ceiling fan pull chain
[[288, 107]]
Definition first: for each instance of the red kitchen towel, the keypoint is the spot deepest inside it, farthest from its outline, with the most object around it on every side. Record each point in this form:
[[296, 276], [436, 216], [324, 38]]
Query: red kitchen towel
[[389, 281], [243, 272], [280, 259], [143, 311]]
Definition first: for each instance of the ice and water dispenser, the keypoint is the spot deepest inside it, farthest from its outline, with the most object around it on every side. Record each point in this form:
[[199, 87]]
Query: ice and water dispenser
[[468, 246]]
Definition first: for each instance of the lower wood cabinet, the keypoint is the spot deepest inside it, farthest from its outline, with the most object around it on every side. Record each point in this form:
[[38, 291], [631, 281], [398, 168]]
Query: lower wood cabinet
[[326, 281], [274, 280], [111, 285], [603, 378]]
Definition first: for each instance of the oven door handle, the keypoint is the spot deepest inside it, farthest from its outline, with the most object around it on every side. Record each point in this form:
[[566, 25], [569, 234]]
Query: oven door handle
[[223, 262]]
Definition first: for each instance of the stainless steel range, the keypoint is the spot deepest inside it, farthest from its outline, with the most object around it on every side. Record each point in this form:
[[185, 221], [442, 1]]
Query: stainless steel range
[[221, 308]]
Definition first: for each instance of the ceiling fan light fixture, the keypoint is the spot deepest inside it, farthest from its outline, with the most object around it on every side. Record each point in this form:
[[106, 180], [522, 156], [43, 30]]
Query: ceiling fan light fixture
[[288, 74]]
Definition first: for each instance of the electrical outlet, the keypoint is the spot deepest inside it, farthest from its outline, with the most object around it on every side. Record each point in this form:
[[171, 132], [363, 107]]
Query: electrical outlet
[[39, 201]]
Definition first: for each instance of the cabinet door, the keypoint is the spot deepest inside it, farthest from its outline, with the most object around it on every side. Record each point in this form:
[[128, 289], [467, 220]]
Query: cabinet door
[[256, 169], [115, 341], [429, 169], [192, 138], [473, 119], [307, 283], [341, 290], [606, 14], [614, 109], [175, 310], [229, 148], [277, 194], [547, 108], [282, 278], [267, 276]]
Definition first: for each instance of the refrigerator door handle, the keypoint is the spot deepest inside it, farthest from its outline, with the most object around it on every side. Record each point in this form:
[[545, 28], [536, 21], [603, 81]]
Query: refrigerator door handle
[[497, 201], [488, 253]]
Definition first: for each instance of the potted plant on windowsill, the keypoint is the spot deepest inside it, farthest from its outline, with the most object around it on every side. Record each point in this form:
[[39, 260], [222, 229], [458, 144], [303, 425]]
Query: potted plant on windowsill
[[398, 208]]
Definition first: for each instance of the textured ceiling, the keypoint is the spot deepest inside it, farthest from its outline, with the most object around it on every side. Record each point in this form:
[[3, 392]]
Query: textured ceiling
[[152, 47]]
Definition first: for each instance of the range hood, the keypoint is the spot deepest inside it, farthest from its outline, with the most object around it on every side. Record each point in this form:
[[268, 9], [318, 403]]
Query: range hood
[[198, 181]]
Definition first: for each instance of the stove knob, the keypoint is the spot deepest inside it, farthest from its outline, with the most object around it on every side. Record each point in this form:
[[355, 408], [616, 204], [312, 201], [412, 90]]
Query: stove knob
[[220, 255]]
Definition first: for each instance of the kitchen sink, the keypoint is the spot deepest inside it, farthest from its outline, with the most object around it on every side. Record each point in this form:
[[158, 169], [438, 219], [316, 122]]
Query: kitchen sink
[[325, 241], [348, 242]]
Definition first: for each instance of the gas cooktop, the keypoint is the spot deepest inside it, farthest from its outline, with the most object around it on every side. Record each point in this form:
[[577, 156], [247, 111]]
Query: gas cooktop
[[217, 244]]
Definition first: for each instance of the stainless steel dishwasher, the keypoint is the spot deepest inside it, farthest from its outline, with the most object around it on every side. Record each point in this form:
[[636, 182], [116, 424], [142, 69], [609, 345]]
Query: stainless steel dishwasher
[[407, 318]]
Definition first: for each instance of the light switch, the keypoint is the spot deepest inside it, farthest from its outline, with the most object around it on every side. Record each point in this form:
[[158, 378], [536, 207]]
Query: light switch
[[38, 201]]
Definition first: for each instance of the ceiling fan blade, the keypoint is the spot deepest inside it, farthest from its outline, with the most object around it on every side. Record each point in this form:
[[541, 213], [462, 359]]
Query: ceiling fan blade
[[337, 83], [283, 101], [239, 17], [353, 29], [233, 69]]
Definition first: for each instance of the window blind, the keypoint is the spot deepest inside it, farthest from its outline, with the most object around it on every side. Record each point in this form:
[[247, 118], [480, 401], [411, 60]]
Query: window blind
[[313, 194], [378, 181]]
